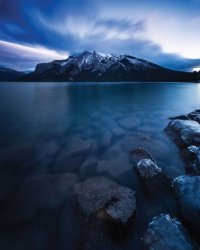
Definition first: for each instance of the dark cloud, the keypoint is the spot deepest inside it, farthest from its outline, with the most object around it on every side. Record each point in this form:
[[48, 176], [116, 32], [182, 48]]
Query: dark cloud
[[21, 24]]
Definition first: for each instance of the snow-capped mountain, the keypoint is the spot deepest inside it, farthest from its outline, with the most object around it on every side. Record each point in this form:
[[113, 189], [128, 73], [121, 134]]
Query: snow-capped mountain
[[95, 66]]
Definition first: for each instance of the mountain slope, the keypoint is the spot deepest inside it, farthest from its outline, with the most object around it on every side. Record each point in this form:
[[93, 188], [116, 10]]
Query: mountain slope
[[7, 74], [87, 66]]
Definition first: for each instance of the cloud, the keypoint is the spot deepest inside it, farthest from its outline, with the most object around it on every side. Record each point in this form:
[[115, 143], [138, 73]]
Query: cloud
[[22, 57]]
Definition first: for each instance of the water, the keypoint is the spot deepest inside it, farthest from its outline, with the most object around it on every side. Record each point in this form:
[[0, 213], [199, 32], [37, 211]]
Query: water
[[40, 122]]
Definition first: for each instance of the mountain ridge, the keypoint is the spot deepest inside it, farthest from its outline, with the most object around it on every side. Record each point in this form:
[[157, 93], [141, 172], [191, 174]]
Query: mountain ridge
[[98, 67]]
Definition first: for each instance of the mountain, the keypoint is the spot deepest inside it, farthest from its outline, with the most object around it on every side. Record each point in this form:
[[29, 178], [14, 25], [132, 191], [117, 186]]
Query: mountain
[[87, 67], [7, 74]]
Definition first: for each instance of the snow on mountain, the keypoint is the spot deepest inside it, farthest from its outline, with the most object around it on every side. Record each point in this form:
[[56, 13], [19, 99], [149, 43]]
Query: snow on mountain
[[93, 66]]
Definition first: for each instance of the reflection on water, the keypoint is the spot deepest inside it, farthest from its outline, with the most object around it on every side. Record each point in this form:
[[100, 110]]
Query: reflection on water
[[87, 130]]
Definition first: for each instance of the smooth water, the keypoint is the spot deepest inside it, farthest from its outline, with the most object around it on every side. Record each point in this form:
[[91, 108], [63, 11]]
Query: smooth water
[[40, 122]]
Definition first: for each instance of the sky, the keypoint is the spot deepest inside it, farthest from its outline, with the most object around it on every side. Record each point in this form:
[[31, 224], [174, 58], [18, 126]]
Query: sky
[[165, 32]]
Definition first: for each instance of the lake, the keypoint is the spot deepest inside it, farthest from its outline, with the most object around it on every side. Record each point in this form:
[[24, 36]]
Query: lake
[[40, 122]]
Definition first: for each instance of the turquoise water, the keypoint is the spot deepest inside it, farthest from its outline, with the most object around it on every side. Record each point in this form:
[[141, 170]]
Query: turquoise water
[[38, 120]]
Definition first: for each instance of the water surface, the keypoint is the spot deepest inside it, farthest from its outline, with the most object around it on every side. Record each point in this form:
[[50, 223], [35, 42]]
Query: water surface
[[39, 122]]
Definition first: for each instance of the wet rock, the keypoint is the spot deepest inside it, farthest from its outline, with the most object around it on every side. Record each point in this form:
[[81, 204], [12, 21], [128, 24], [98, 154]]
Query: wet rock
[[106, 200], [191, 156], [73, 155], [152, 176], [138, 154], [184, 132], [148, 169], [195, 115], [180, 117], [187, 192], [164, 233], [38, 197]]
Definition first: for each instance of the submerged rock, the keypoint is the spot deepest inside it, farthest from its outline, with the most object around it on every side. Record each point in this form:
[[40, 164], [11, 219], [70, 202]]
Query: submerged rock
[[164, 233], [73, 155], [38, 197], [102, 198], [187, 192], [152, 176]]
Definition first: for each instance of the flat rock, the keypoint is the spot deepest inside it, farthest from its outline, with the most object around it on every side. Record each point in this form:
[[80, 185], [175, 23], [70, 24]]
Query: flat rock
[[105, 199], [187, 192], [164, 233]]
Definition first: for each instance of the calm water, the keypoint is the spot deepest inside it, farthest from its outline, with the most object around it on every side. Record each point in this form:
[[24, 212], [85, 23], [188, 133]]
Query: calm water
[[40, 122]]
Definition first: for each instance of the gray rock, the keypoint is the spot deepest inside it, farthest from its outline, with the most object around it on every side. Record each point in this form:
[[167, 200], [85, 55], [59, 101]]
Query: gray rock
[[184, 132], [105, 199], [41, 195], [187, 192], [148, 169], [164, 233]]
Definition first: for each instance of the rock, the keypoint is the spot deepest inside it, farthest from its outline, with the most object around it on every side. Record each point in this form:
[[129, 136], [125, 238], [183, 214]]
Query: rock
[[152, 176], [102, 198], [195, 115], [184, 132], [116, 165], [129, 123], [73, 155], [191, 156], [164, 233], [138, 154], [148, 169], [187, 192], [38, 196], [89, 167], [180, 117]]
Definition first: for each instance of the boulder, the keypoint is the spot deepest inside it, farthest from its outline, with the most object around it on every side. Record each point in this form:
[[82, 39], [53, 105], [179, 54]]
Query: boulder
[[187, 192], [195, 115], [184, 132], [165, 233], [191, 156], [106, 200], [151, 175]]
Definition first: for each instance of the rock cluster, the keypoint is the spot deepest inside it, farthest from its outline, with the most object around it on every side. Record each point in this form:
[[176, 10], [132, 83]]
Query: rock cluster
[[185, 131]]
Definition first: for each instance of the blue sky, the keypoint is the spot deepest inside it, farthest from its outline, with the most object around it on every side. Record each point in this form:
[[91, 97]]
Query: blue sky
[[164, 32]]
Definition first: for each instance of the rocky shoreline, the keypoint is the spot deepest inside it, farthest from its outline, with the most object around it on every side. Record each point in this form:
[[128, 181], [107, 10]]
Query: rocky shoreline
[[104, 210]]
